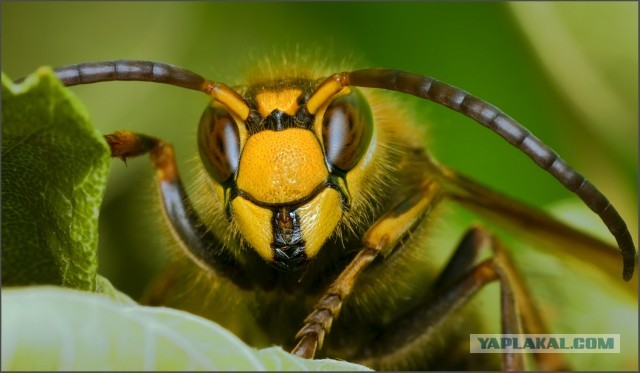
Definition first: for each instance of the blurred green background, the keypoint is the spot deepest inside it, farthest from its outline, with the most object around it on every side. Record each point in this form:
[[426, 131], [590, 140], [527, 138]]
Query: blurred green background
[[568, 72]]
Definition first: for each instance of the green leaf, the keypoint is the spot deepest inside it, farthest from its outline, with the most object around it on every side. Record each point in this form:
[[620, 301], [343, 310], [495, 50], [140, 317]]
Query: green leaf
[[54, 170], [49, 328], [104, 287], [276, 359]]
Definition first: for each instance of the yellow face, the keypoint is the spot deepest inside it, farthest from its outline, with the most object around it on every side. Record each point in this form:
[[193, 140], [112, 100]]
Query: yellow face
[[284, 172]]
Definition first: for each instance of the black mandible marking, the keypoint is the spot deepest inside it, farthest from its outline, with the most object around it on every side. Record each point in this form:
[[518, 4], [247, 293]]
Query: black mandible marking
[[518, 136]]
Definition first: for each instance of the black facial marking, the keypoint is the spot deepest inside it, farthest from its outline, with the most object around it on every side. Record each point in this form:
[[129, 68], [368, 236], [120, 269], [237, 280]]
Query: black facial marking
[[287, 245], [254, 119], [345, 196], [304, 118], [278, 120]]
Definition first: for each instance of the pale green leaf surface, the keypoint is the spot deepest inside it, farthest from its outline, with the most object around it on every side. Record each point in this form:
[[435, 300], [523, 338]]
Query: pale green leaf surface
[[276, 359], [104, 287], [49, 328], [54, 170]]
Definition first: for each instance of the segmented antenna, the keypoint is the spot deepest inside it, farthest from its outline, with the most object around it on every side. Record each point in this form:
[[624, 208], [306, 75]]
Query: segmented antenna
[[149, 71], [500, 123], [146, 71]]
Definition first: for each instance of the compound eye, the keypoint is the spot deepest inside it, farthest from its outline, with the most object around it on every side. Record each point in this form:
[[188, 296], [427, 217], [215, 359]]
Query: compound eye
[[219, 143], [347, 127]]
